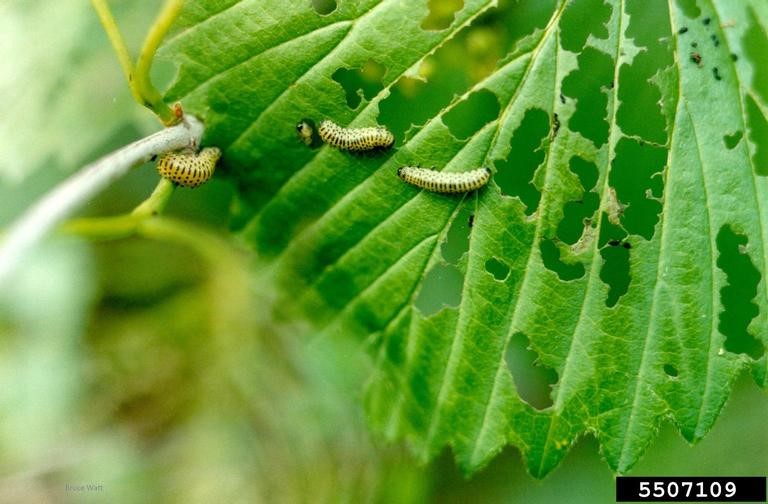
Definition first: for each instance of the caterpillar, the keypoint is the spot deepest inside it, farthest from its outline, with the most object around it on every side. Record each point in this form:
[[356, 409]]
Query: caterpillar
[[355, 139], [445, 182], [189, 170]]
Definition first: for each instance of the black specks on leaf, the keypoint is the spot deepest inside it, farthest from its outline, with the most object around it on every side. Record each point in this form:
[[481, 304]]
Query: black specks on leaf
[[715, 40], [696, 58], [706, 21], [716, 73], [682, 30]]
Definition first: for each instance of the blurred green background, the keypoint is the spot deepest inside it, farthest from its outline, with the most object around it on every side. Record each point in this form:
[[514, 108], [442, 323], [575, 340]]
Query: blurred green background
[[154, 374]]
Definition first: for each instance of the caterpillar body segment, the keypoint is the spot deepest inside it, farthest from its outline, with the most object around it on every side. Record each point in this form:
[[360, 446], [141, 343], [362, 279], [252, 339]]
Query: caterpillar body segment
[[445, 182], [355, 139], [189, 169]]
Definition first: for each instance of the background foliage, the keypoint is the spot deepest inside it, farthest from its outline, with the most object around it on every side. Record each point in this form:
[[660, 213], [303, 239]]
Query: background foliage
[[135, 371]]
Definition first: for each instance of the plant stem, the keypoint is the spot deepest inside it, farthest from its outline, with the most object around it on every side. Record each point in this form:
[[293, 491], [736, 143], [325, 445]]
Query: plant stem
[[156, 34], [118, 44], [71, 194], [122, 226], [138, 76], [156, 201]]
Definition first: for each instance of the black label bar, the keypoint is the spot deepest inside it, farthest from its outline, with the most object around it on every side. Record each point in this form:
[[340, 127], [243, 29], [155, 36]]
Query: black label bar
[[690, 489]]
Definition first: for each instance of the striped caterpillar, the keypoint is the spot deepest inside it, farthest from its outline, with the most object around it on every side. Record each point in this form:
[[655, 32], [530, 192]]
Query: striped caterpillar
[[445, 182], [355, 139], [189, 170]]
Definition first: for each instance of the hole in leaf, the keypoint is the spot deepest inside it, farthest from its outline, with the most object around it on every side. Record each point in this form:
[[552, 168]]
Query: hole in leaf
[[640, 109], [689, 8], [441, 287], [758, 134], [363, 82], [577, 213], [670, 370], [580, 19], [550, 256], [441, 14], [615, 269], [515, 19], [636, 177], [589, 85], [585, 170], [533, 380], [736, 297], [457, 238], [471, 114], [497, 268], [615, 273], [413, 102], [515, 174], [324, 7], [648, 24], [733, 140], [755, 48]]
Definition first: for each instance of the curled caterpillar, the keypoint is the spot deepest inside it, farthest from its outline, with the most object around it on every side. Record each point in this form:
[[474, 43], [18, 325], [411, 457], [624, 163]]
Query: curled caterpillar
[[445, 182], [355, 139], [189, 170]]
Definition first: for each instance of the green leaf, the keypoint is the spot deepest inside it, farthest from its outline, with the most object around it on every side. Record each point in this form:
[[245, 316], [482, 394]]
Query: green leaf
[[617, 254]]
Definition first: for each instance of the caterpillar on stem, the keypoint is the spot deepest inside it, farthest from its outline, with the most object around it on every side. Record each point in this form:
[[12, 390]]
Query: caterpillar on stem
[[189, 169]]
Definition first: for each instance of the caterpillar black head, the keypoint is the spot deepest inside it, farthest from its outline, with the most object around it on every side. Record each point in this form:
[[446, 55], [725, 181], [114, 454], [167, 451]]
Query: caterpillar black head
[[307, 133]]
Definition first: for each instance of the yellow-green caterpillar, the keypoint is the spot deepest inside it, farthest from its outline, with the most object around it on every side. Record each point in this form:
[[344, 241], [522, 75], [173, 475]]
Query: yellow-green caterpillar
[[445, 182], [189, 169], [355, 139]]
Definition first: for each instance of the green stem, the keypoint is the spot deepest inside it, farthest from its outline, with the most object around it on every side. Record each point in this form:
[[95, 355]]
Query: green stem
[[118, 44], [103, 228], [122, 226], [152, 96], [157, 201], [138, 76]]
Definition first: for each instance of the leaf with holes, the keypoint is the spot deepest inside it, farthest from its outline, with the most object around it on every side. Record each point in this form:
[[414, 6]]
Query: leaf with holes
[[610, 276]]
